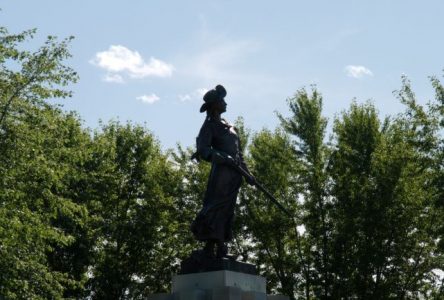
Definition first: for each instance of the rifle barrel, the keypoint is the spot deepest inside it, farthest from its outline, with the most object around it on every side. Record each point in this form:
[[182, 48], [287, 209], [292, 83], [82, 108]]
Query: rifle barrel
[[273, 199], [264, 190]]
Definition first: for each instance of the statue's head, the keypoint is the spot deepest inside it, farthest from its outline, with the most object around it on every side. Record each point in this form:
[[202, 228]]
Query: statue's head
[[214, 100]]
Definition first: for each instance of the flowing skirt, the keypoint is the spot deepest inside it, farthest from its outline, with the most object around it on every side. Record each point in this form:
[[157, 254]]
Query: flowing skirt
[[215, 219]]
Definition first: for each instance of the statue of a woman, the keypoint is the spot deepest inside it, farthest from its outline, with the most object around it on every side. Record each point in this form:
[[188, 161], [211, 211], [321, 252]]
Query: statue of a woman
[[219, 144]]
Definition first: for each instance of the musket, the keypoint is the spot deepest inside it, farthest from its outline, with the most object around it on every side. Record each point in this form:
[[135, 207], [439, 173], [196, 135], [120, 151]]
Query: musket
[[261, 188]]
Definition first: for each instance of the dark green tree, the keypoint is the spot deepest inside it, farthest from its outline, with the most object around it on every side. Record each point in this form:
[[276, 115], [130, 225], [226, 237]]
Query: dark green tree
[[272, 235], [307, 126], [382, 243], [131, 198], [32, 77], [39, 155], [188, 198]]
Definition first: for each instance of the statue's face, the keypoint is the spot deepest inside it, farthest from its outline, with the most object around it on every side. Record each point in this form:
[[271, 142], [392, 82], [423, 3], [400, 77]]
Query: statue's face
[[221, 106]]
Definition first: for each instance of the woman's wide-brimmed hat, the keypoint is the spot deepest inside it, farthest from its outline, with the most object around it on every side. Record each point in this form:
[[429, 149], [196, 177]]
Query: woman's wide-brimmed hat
[[214, 95]]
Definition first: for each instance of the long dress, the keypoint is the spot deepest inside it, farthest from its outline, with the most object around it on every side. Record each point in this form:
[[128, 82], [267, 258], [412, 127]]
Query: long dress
[[215, 220]]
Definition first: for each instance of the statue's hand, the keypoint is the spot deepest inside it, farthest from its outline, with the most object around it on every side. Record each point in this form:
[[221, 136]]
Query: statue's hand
[[219, 158], [230, 160]]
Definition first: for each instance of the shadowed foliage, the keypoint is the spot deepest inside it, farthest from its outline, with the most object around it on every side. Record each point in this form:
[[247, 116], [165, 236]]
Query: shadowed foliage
[[105, 214]]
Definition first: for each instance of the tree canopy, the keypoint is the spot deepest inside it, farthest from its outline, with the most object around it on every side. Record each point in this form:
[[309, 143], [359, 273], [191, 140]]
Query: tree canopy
[[104, 213]]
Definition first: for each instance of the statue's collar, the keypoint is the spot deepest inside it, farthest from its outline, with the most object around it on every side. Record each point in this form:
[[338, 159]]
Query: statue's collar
[[221, 121]]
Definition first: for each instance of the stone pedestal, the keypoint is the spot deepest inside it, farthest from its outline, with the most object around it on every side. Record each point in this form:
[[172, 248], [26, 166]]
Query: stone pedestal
[[219, 279], [203, 278]]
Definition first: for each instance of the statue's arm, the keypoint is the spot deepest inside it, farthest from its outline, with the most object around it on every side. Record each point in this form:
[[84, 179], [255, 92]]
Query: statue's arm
[[204, 142], [206, 150]]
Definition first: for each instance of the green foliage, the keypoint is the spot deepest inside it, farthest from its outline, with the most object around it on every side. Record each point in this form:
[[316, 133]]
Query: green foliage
[[106, 214], [370, 199], [32, 77], [269, 237], [130, 198], [192, 178], [307, 126], [39, 171], [40, 148]]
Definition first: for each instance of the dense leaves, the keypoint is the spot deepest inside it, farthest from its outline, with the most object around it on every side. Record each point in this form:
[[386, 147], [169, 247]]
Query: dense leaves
[[40, 150], [105, 214]]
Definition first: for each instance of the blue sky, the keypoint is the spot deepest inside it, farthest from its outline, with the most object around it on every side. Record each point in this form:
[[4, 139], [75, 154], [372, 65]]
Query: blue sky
[[150, 61]]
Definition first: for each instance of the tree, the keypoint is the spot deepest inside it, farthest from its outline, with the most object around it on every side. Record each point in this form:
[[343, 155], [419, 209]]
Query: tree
[[271, 234], [37, 152], [106, 214], [307, 125], [41, 74], [424, 134], [437, 110], [371, 176], [381, 237], [130, 191], [188, 198]]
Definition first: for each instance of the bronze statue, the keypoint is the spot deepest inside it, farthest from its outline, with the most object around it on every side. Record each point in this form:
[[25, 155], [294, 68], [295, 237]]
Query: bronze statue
[[218, 143]]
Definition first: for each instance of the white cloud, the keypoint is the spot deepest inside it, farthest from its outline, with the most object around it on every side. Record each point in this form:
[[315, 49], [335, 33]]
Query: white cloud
[[222, 59], [113, 78], [201, 92], [357, 71], [118, 60], [149, 99], [184, 98], [197, 94], [218, 60]]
